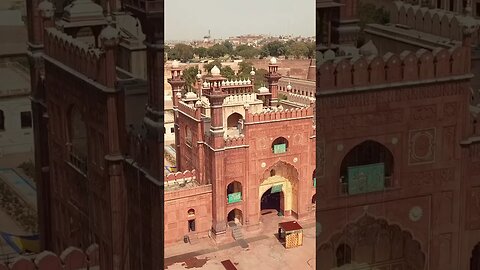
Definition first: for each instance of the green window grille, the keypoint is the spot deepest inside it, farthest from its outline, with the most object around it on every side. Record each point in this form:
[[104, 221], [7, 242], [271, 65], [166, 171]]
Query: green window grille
[[279, 148], [315, 182], [366, 178], [276, 188], [234, 197]]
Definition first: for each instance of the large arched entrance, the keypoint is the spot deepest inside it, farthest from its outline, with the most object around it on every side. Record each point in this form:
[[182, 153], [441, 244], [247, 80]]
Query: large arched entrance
[[371, 243], [272, 200], [475, 259], [278, 191]]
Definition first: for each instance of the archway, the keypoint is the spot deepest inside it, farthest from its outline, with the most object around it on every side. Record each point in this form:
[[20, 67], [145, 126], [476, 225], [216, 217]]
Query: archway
[[233, 119], [234, 192], [235, 216], [272, 200], [278, 191], [475, 259], [374, 243]]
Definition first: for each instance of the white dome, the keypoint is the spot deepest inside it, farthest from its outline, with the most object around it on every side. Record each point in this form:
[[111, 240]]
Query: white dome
[[175, 64], [179, 95], [263, 90], [205, 85], [215, 71], [199, 74], [273, 61], [191, 95], [248, 81], [289, 87], [46, 8], [198, 104], [223, 83], [252, 73]]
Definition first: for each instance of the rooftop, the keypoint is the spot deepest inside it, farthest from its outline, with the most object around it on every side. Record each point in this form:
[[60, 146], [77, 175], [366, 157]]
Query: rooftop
[[15, 80]]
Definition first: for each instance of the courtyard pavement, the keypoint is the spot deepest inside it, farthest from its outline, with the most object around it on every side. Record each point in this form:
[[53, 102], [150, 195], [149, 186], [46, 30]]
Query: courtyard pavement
[[264, 251]]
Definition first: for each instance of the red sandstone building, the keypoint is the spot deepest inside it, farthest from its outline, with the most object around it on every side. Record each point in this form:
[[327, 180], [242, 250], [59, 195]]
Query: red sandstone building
[[241, 151], [397, 160]]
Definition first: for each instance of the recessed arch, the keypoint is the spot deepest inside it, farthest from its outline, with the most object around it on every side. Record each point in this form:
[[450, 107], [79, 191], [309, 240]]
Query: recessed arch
[[235, 215], [367, 154], [343, 254], [280, 145], [233, 120], [234, 192]]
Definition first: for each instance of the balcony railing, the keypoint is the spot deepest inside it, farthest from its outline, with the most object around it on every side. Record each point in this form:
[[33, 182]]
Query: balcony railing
[[387, 184], [154, 6]]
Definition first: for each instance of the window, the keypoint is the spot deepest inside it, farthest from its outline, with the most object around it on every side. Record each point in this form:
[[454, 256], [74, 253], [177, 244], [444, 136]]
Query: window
[[191, 212], [368, 167], [234, 192], [439, 3], [172, 130], [477, 9], [188, 136], [2, 120], [280, 145], [26, 119], [451, 5]]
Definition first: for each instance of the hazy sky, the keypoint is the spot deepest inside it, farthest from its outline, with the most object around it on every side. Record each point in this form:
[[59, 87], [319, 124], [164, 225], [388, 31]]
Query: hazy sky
[[191, 19]]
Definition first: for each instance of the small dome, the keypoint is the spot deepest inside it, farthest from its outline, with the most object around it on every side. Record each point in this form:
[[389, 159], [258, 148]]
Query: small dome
[[205, 85], [289, 87], [215, 71], [273, 61], [252, 73], [368, 49], [46, 8], [248, 81], [199, 74], [263, 90], [191, 95], [198, 104], [110, 36], [175, 64], [223, 83], [329, 54], [246, 105], [179, 95]]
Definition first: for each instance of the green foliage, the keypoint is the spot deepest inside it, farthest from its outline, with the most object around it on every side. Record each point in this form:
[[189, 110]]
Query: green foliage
[[229, 47], [244, 69], [189, 75], [217, 50], [260, 77], [227, 72], [282, 97], [247, 52], [209, 66], [181, 52], [298, 49], [274, 48], [200, 51]]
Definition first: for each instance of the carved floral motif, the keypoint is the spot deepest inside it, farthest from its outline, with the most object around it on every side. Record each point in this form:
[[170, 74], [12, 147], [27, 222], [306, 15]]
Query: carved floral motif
[[422, 146]]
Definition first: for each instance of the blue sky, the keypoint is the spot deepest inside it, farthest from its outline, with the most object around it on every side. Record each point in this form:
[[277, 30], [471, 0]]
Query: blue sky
[[191, 19]]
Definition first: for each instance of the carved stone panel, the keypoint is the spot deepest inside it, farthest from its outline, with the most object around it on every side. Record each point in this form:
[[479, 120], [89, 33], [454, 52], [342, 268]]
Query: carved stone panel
[[422, 146], [432, 177], [450, 110], [443, 208], [424, 113]]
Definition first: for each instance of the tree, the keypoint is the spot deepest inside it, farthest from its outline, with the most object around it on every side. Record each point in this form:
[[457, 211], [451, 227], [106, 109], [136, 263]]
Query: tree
[[182, 52], [189, 75], [298, 49], [274, 48], [228, 72], [246, 52], [260, 77], [244, 69], [311, 49], [217, 50], [209, 66], [200, 51], [229, 47]]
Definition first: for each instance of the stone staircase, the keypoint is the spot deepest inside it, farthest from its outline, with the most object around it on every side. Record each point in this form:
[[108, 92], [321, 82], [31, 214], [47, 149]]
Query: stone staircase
[[238, 235]]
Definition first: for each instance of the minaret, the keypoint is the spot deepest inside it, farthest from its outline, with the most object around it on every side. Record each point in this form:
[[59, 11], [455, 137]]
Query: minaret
[[178, 83], [216, 95], [272, 77], [470, 26], [252, 78], [40, 15]]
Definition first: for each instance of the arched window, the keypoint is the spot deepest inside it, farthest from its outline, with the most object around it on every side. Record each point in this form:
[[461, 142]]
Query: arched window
[[344, 255], [233, 120], [280, 145], [367, 167], [191, 212], [314, 198], [78, 140], [234, 192], [314, 178], [272, 172], [2, 121]]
